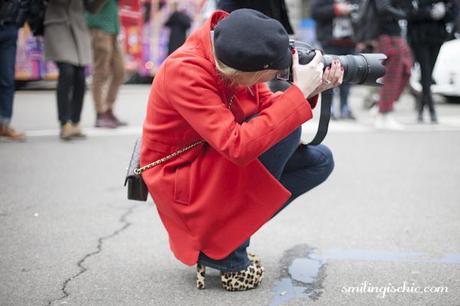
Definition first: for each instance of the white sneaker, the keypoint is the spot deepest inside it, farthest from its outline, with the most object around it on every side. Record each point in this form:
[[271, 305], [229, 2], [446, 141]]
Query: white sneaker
[[374, 111], [387, 122]]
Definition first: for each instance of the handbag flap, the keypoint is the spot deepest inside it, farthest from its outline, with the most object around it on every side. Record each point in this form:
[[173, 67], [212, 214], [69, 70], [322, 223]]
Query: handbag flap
[[134, 161]]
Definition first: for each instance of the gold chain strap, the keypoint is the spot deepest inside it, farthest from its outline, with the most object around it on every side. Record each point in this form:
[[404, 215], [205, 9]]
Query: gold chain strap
[[138, 171], [230, 103]]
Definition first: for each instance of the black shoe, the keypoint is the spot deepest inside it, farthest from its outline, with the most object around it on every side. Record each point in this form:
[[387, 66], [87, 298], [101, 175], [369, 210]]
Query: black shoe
[[420, 117], [348, 115]]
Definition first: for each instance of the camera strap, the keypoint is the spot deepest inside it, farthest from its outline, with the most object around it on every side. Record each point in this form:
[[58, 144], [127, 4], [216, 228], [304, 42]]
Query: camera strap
[[325, 116]]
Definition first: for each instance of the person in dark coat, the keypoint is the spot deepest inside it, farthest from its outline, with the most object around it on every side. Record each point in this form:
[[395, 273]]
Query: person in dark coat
[[12, 17], [426, 32], [178, 23], [334, 31], [273, 8]]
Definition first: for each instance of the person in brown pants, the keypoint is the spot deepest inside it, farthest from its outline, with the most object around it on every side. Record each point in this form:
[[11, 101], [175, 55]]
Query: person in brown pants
[[108, 65]]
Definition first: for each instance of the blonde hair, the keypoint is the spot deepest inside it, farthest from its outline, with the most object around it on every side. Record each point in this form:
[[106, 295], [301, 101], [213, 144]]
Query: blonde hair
[[234, 75]]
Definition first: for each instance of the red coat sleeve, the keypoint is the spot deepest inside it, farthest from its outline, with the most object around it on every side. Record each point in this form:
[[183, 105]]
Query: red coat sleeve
[[266, 96], [191, 89]]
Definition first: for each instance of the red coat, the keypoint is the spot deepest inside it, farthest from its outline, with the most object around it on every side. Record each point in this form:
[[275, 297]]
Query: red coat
[[215, 196]]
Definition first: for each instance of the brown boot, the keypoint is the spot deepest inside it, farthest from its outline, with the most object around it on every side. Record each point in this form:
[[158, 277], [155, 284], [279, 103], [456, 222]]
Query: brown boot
[[9, 133], [114, 118], [66, 131], [104, 120]]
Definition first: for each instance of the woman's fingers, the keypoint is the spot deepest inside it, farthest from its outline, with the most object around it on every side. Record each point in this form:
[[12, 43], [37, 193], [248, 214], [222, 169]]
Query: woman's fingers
[[338, 76], [327, 75], [295, 63], [333, 76], [342, 72]]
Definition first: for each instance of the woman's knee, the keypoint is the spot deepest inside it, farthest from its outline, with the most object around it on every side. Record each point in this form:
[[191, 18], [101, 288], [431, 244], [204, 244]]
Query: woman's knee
[[328, 158], [295, 136]]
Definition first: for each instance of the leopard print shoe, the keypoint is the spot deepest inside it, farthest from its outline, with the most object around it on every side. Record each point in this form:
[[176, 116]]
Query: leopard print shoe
[[254, 258], [201, 273], [243, 280], [200, 276]]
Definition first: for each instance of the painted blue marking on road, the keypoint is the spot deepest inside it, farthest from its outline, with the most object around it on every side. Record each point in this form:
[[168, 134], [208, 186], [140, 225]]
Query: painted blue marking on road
[[302, 268], [363, 255]]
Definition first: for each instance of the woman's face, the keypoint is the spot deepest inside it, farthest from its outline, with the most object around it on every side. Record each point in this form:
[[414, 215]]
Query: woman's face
[[251, 78]]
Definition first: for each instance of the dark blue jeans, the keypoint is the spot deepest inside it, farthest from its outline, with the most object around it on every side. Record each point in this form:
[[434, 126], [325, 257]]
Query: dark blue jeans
[[299, 168], [8, 37]]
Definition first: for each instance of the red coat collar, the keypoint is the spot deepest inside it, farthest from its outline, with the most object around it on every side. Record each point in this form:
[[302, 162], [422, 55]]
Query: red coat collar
[[202, 35]]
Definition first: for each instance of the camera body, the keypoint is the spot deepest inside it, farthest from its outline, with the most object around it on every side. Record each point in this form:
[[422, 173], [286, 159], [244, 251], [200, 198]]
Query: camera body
[[362, 68]]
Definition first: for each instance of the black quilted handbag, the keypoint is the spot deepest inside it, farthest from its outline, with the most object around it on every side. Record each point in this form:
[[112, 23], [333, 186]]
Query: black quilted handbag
[[137, 190]]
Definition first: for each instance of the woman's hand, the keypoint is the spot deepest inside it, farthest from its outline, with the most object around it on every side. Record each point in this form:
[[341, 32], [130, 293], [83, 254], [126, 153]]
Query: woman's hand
[[332, 77], [308, 77], [343, 9]]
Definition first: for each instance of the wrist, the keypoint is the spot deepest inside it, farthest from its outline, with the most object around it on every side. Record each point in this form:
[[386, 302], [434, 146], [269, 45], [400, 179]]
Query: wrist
[[341, 9], [312, 100], [337, 10]]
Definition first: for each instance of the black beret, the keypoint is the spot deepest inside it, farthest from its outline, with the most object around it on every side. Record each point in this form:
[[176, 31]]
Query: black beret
[[248, 40]]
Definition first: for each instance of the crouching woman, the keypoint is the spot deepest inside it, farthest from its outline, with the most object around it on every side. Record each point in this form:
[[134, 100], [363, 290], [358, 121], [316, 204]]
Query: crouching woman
[[232, 147]]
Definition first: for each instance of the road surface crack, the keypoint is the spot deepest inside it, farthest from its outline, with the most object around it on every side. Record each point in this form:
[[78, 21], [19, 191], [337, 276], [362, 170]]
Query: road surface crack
[[100, 242]]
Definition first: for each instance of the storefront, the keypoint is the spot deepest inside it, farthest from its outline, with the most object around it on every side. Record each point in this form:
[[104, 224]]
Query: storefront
[[143, 37]]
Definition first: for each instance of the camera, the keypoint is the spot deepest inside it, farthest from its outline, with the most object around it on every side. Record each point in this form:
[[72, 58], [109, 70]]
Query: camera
[[362, 68]]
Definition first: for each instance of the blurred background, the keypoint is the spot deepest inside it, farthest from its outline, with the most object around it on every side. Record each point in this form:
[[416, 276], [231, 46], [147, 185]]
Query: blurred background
[[388, 215]]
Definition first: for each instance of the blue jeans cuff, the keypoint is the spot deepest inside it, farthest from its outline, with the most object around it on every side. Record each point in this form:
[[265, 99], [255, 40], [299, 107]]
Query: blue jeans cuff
[[227, 267]]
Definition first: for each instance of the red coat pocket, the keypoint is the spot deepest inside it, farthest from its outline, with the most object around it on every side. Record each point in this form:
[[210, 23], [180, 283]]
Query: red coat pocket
[[182, 184]]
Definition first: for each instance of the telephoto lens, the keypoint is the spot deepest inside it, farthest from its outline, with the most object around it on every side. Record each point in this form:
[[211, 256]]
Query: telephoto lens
[[361, 68]]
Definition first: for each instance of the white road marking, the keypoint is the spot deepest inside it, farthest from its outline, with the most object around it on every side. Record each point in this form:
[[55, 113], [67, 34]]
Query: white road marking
[[90, 132], [447, 124]]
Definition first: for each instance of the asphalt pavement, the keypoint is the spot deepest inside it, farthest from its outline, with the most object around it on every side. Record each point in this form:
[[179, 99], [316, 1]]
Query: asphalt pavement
[[383, 230]]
